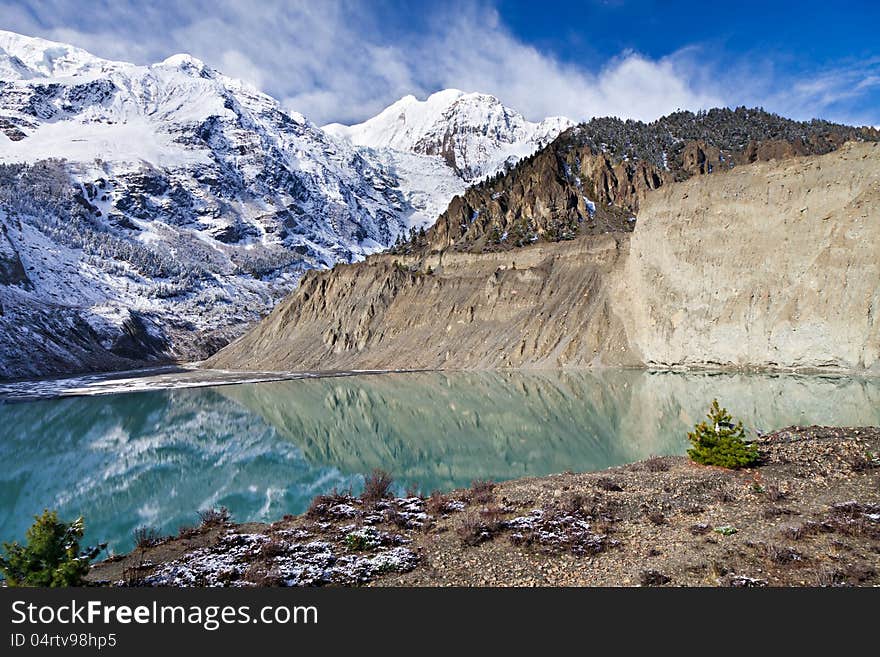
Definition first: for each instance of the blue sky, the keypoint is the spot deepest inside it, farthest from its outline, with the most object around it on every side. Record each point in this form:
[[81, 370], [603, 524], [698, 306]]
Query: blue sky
[[344, 61]]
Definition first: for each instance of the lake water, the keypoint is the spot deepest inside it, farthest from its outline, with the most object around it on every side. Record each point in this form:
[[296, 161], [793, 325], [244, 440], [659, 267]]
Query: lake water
[[266, 449]]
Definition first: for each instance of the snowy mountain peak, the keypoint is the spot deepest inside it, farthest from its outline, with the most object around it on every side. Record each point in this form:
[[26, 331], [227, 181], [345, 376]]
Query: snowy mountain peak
[[169, 200], [183, 60], [187, 63], [155, 211], [474, 133], [23, 58]]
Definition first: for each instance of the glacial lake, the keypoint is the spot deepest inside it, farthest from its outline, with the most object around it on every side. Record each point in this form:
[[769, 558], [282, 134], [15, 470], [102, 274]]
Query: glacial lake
[[266, 449]]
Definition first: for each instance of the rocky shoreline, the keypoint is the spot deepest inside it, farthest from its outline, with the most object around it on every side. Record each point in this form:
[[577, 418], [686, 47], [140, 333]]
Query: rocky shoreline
[[808, 515]]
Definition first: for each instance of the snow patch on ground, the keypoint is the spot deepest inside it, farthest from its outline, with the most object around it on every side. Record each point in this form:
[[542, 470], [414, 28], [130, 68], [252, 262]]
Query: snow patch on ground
[[231, 562]]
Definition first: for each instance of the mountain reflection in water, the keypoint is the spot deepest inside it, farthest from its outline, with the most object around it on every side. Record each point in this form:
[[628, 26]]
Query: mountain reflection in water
[[265, 449]]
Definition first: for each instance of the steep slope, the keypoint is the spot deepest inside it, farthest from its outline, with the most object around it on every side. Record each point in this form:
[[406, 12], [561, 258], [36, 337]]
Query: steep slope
[[473, 133], [591, 179], [769, 265]]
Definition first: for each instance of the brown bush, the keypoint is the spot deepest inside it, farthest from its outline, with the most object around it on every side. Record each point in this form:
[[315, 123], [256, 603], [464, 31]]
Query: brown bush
[[273, 549], [377, 486], [438, 503], [479, 527], [188, 531], [482, 491], [607, 483], [214, 517], [322, 503], [654, 578], [147, 537]]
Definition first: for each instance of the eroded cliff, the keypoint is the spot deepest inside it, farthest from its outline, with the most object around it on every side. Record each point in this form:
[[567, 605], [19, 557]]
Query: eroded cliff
[[769, 265]]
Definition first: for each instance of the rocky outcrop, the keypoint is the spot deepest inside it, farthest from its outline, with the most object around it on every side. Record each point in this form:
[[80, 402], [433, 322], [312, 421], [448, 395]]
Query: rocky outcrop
[[11, 268], [552, 197], [40, 339], [772, 265]]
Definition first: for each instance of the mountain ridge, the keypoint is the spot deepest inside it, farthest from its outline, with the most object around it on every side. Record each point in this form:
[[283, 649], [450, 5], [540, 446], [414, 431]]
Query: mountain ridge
[[474, 133], [153, 212], [189, 203], [592, 177]]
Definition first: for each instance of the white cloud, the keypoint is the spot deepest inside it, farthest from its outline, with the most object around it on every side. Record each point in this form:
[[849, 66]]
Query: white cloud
[[333, 61], [630, 86], [236, 64]]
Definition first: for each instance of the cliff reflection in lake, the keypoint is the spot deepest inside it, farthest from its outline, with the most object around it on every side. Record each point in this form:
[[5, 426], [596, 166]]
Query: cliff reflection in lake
[[264, 450]]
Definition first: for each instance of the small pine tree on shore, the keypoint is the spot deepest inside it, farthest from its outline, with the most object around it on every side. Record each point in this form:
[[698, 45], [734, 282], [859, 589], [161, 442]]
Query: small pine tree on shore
[[720, 442], [52, 555]]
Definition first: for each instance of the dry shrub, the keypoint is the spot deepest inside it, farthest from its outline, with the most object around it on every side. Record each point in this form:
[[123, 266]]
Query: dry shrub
[[775, 511], [826, 576], [774, 494], [853, 519], [188, 531], [780, 554], [147, 537], [725, 495], [438, 503], [258, 574], [573, 503], [272, 549], [654, 578], [482, 491], [396, 518], [607, 483], [214, 517], [377, 486], [321, 504], [479, 527], [863, 462]]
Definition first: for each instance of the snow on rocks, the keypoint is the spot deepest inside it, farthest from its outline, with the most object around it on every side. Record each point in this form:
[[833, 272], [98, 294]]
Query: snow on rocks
[[219, 565], [558, 530], [200, 202], [241, 560], [744, 582]]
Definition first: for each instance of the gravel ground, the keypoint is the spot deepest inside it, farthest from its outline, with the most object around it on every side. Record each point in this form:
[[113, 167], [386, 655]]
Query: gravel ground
[[809, 515]]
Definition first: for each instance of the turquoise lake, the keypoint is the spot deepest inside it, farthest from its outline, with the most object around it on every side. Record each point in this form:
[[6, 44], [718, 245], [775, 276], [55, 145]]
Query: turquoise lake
[[266, 449]]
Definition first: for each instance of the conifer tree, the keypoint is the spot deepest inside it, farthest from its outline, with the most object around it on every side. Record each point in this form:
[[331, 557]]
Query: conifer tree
[[720, 442], [52, 555]]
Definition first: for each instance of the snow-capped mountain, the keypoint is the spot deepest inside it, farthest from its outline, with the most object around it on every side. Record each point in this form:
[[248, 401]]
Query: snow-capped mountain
[[475, 134], [149, 212], [186, 205]]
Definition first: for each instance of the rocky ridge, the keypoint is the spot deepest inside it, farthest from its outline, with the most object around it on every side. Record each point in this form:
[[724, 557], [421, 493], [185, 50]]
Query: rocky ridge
[[592, 178]]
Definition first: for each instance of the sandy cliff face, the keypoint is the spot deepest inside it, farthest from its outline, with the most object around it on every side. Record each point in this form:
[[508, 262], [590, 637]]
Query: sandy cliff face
[[544, 305], [774, 264], [771, 265]]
